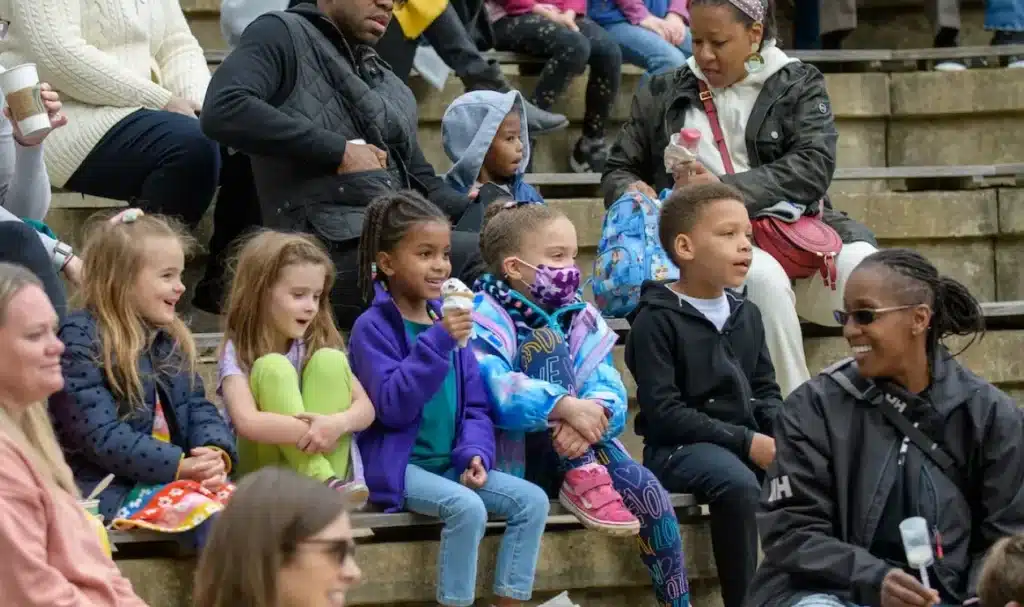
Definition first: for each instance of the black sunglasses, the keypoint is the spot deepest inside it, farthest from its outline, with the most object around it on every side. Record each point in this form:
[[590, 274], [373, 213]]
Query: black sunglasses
[[865, 316], [339, 549]]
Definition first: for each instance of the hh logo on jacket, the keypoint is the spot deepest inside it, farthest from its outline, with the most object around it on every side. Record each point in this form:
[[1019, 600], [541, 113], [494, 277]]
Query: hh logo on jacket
[[781, 489]]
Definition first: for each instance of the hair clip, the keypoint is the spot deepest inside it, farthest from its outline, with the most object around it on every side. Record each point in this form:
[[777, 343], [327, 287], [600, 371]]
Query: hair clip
[[373, 270], [129, 216]]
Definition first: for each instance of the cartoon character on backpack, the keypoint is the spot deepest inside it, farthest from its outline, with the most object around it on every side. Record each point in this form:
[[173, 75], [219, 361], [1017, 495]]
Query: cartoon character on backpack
[[629, 253]]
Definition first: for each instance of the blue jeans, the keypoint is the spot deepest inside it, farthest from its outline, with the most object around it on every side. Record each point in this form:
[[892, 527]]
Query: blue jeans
[[825, 600], [644, 48], [1004, 15], [464, 513]]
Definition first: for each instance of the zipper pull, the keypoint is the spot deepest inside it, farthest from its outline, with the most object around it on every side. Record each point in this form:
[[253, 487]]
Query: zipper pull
[[938, 543]]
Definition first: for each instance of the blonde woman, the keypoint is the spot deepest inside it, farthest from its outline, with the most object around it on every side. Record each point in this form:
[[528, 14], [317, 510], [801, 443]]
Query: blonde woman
[[284, 541], [52, 555]]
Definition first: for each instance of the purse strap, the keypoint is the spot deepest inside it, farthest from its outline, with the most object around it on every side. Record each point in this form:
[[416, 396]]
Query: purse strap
[[716, 126], [869, 391]]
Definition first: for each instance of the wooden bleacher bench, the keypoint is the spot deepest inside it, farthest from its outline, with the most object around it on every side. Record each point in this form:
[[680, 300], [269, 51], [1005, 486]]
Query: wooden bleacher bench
[[686, 506], [881, 59]]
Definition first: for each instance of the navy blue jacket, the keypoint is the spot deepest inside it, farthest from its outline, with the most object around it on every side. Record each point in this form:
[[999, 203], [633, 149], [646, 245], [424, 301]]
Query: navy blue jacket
[[100, 435]]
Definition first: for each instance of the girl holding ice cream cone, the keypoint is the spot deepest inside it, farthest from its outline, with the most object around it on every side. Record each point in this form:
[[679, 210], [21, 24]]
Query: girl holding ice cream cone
[[431, 446]]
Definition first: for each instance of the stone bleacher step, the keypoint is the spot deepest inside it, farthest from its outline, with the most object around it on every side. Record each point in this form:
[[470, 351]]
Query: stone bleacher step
[[976, 236]]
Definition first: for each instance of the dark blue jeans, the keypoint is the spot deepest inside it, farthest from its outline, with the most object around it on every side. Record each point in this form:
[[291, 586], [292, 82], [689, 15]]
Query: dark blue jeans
[[717, 477], [161, 162], [20, 244]]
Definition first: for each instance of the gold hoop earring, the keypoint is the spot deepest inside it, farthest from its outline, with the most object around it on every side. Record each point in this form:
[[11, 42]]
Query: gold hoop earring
[[754, 62]]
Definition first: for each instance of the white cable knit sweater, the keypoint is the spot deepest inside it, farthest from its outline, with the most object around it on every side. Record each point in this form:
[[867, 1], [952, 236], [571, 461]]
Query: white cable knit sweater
[[108, 58]]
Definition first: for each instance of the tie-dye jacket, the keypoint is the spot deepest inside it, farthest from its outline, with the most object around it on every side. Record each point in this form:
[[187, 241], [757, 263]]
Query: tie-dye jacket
[[502, 319]]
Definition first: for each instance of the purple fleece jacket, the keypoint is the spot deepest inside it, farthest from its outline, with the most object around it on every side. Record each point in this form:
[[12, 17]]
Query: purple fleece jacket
[[400, 379]]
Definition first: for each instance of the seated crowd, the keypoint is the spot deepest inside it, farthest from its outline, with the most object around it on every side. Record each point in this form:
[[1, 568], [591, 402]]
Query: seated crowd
[[489, 395]]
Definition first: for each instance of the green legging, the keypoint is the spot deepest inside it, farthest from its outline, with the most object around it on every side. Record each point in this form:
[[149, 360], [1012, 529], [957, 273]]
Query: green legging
[[326, 389]]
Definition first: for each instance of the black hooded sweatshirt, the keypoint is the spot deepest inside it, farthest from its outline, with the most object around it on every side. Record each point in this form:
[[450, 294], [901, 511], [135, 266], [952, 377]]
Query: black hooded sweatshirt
[[696, 384]]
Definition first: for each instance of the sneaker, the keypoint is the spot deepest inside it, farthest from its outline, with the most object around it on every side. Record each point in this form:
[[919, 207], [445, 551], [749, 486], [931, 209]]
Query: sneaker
[[1001, 38], [355, 493], [541, 122], [587, 492], [589, 155]]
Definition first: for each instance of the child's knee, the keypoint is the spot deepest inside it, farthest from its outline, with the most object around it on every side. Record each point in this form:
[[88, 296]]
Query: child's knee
[[329, 358], [273, 367], [575, 53], [465, 508], [534, 502]]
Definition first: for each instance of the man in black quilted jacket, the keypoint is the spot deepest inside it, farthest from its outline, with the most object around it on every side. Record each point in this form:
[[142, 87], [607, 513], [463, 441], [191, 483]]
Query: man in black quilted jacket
[[329, 127]]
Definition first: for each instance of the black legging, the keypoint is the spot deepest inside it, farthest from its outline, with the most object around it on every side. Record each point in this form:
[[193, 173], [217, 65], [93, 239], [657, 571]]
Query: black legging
[[568, 54], [20, 244]]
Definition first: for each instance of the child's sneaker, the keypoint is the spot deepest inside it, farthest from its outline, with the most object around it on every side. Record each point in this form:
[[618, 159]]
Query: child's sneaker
[[589, 155], [587, 492], [355, 493]]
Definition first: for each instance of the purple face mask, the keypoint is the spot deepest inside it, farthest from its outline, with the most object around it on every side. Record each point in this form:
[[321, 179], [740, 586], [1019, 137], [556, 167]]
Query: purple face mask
[[554, 287]]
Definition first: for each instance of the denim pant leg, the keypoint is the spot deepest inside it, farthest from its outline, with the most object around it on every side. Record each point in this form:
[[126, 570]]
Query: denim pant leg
[[525, 507], [645, 49], [732, 490], [464, 516], [661, 544], [821, 600], [1004, 15]]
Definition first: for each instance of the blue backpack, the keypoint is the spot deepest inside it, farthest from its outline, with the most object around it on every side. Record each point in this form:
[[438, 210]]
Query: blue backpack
[[629, 253]]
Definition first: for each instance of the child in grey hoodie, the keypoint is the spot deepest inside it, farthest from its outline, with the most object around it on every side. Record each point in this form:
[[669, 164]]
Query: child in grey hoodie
[[485, 135]]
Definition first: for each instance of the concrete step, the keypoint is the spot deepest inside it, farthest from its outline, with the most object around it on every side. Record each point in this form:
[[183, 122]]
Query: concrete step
[[976, 236]]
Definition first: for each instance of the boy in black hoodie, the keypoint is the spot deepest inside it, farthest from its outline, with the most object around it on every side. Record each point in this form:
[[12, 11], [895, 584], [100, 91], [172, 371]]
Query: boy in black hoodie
[[705, 381]]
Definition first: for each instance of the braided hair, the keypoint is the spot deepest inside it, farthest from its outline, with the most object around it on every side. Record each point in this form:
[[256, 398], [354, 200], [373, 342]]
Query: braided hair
[[388, 219], [770, 28], [954, 310]]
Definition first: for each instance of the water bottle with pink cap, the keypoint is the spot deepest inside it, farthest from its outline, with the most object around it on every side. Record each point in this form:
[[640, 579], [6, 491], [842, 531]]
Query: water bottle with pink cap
[[681, 148]]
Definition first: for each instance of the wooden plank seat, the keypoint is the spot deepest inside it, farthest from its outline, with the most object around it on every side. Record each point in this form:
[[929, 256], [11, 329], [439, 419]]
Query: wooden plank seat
[[879, 58], [686, 506]]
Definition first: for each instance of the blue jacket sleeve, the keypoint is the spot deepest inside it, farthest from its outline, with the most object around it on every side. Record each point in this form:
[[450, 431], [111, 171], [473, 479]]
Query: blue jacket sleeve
[[85, 415], [398, 385], [476, 437], [206, 426], [520, 403], [605, 386]]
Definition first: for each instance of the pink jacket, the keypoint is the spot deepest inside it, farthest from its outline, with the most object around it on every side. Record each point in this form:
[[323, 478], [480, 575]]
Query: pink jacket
[[52, 555], [634, 10]]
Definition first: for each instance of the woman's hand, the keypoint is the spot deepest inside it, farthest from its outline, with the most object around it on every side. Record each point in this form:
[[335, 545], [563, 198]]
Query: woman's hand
[[569, 20], [53, 105], [568, 442], [643, 188], [474, 476], [549, 12], [324, 432], [181, 106], [900, 589], [675, 28], [656, 25], [692, 173]]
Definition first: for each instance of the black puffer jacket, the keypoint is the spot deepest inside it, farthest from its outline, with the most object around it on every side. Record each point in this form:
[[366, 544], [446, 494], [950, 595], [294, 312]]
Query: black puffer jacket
[[292, 95], [791, 141], [837, 460]]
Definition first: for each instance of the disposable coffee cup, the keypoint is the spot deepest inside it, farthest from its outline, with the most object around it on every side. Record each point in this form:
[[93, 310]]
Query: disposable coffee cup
[[91, 506], [20, 86]]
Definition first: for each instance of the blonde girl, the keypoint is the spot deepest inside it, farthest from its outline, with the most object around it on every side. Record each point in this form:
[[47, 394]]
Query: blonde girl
[[53, 556], [133, 405], [284, 378]]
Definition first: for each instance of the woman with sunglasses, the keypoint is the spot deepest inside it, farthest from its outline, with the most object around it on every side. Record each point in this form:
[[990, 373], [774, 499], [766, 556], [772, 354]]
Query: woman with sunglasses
[[851, 465], [285, 540]]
